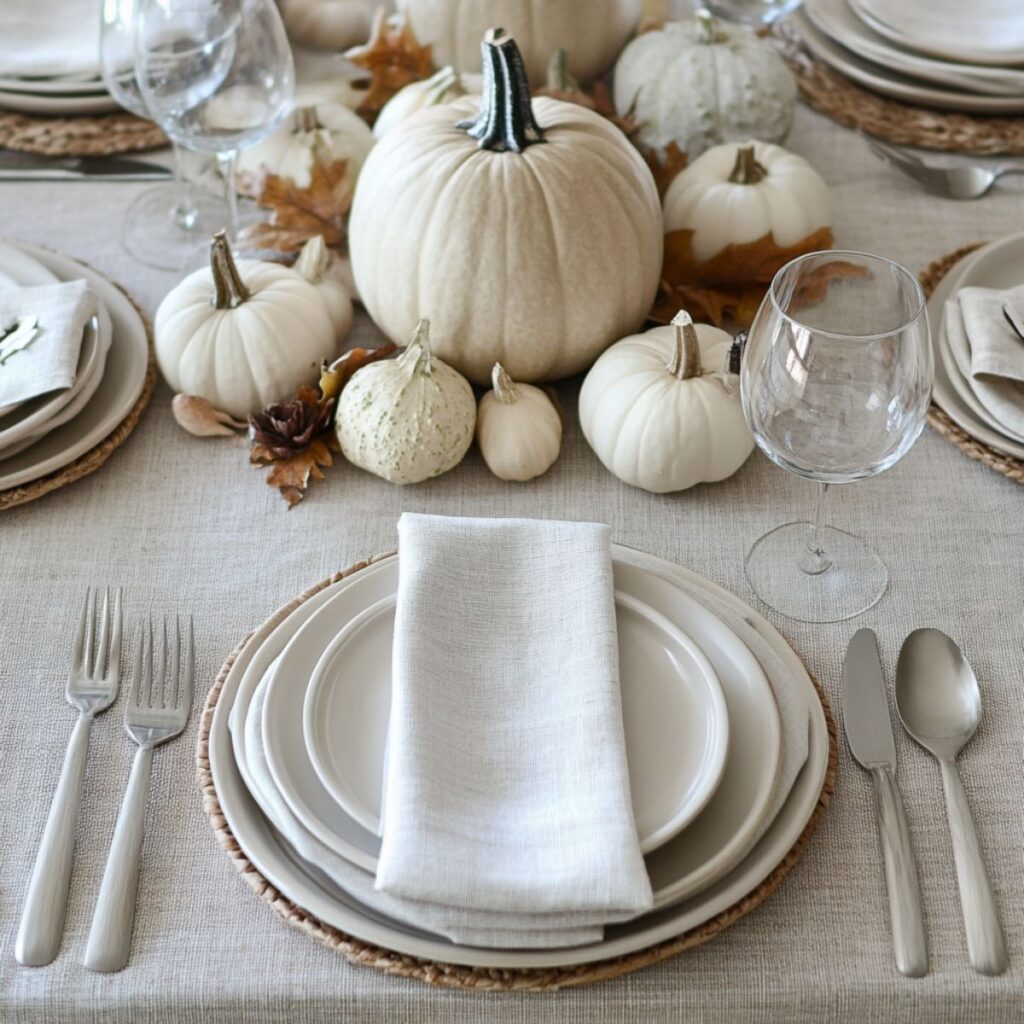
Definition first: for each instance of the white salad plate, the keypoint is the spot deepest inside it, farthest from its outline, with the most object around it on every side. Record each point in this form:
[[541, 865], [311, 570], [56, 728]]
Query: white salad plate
[[311, 891], [892, 83], [121, 384], [54, 86], [674, 715], [56, 105], [996, 265]]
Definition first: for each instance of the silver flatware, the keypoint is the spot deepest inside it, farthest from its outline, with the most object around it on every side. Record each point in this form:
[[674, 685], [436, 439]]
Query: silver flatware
[[18, 166], [869, 733], [965, 181], [158, 710], [939, 703], [1015, 319], [92, 687]]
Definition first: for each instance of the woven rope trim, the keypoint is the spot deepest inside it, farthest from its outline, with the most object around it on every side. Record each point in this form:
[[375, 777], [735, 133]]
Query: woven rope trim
[[91, 460], [902, 124], [455, 976], [937, 419], [86, 135]]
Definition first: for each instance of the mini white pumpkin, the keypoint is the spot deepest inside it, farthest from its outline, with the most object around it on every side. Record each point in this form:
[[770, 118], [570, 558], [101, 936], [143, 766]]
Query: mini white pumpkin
[[741, 192], [327, 24], [699, 82], [242, 336], [443, 86], [656, 412], [340, 133], [518, 429], [407, 419], [322, 270]]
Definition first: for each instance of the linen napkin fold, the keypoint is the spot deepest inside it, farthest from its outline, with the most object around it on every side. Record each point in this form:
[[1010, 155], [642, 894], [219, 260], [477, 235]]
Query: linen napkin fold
[[50, 38], [50, 362], [506, 788]]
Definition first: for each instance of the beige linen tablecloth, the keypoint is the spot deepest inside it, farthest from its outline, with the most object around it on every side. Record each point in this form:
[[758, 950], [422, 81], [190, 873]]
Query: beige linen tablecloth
[[186, 524]]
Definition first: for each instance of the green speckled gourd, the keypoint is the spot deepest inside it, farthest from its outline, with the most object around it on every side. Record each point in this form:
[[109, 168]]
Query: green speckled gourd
[[407, 419]]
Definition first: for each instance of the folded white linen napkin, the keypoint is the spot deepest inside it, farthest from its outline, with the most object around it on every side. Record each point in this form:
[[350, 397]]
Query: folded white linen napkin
[[50, 362], [506, 788], [43, 38]]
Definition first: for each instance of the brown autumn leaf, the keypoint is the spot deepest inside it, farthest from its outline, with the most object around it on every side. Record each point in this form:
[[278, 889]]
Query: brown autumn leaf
[[561, 85], [665, 165], [291, 476], [393, 57], [335, 376]]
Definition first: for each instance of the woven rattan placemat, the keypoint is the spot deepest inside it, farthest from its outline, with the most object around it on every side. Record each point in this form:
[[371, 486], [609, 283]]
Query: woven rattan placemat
[[937, 419], [475, 978], [86, 135]]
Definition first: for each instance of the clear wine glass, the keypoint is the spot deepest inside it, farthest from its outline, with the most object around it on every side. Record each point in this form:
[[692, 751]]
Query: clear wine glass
[[163, 225], [750, 12], [836, 379], [217, 74]]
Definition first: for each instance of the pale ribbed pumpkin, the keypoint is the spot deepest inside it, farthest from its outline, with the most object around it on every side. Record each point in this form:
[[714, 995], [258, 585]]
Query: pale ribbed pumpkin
[[327, 24], [531, 235]]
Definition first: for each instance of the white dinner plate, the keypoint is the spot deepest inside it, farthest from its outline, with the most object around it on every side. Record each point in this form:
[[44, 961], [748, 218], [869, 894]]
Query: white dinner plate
[[265, 849], [54, 86], [119, 388], [58, 106], [999, 264], [836, 20], [978, 31], [891, 83], [674, 716]]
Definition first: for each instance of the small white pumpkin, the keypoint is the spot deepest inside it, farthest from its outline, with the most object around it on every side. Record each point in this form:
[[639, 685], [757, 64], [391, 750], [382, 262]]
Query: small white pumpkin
[[656, 413], [407, 419], [699, 82], [322, 270], [518, 429], [327, 24], [444, 86], [340, 134], [242, 336]]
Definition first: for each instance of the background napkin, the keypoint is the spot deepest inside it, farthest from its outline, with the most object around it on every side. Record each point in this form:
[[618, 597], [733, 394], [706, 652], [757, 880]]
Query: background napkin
[[506, 787], [50, 362], [50, 38]]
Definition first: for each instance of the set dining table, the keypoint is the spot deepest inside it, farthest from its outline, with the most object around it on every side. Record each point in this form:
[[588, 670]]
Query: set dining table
[[187, 527]]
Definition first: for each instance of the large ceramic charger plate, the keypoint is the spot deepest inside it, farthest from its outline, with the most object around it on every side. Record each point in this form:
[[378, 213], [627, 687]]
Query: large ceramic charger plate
[[674, 714], [997, 265], [272, 858], [119, 389]]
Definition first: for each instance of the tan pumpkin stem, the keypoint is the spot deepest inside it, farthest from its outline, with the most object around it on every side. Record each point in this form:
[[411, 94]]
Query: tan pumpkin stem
[[417, 356], [443, 80], [505, 389], [708, 25], [304, 119], [313, 260], [747, 170], [228, 289], [559, 78], [685, 361]]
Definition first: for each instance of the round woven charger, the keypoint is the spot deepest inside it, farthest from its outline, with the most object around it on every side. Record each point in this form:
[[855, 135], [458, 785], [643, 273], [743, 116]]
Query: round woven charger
[[86, 135], [91, 460], [833, 94], [937, 419], [477, 978]]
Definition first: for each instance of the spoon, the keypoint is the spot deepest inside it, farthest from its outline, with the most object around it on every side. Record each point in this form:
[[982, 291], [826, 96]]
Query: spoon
[[939, 704]]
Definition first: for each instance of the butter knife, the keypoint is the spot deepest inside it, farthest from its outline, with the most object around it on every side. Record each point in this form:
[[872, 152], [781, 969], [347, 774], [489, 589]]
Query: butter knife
[[869, 733], [18, 166]]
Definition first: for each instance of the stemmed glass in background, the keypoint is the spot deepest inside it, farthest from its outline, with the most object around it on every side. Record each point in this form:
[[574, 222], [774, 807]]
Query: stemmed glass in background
[[217, 76], [836, 380], [748, 12], [164, 225]]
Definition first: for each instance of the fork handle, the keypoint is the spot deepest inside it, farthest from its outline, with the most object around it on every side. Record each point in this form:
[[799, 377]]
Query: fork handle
[[110, 938], [42, 918]]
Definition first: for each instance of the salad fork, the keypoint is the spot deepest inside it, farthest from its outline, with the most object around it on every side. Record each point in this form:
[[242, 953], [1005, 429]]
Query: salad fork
[[92, 687], [157, 711]]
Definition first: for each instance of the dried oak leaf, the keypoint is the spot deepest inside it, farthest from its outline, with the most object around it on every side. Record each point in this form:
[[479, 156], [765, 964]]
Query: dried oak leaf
[[665, 164], [562, 85], [291, 476], [335, 376], [393, 57]]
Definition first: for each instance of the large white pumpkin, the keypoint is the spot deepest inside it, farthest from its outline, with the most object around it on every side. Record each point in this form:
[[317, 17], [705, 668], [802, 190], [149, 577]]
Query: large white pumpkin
[[699, 82], [593, 31], [536, 246]]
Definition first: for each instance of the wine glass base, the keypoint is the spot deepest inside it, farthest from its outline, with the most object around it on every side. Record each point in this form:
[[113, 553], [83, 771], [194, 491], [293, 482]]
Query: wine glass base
[[153, 235], [853, 583]]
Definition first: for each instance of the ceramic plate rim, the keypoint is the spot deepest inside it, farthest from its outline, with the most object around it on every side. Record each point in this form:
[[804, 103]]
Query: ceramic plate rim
[[32, 103]]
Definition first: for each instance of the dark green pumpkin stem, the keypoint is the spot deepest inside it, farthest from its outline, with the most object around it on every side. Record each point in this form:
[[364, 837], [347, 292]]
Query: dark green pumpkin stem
[[505, 122]]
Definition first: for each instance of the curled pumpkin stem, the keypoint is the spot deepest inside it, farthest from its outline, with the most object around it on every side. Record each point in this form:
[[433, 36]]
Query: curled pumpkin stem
[[685, 361]]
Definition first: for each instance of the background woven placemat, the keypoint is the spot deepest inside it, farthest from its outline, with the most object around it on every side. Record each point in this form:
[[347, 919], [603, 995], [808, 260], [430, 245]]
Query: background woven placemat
[[902, 124], [454, 975], [937, 419], [87, 135]]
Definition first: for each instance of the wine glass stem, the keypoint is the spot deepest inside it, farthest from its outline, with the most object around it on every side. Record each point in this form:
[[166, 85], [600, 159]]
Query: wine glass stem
[[228, 161], [184, 212], [813, 559]]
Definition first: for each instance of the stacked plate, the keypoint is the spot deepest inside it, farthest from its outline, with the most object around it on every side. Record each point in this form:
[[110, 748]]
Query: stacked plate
[[46, 433], [726, 739], [996, 265], [935, 53]]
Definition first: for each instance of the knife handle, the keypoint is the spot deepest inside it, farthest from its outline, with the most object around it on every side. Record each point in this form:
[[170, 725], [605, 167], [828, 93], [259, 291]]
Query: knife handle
[[908, 938]]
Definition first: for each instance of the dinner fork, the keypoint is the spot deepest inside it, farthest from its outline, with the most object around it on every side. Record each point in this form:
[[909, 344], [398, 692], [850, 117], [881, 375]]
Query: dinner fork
[[156, 712], [92, 687], [960, 182]]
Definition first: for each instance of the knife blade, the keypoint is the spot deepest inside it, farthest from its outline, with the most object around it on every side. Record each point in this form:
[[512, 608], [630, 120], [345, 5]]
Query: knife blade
[[869, 733], [16, 165], [1014, 319]]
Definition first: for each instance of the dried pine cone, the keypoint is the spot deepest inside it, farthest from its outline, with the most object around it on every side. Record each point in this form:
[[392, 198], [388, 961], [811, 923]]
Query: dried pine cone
[[288, 427]]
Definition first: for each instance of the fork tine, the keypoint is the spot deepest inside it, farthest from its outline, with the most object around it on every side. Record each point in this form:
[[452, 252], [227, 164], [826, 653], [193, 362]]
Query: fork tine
[[148, 664], [135, 694], [114, 656], [77, 648], [190, 671], [104, 635], [176, 663], [90, 629], [164, 659]]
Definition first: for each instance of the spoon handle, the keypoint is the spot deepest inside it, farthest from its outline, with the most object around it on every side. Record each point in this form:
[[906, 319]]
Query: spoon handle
[[985, 943], [908, 939]]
